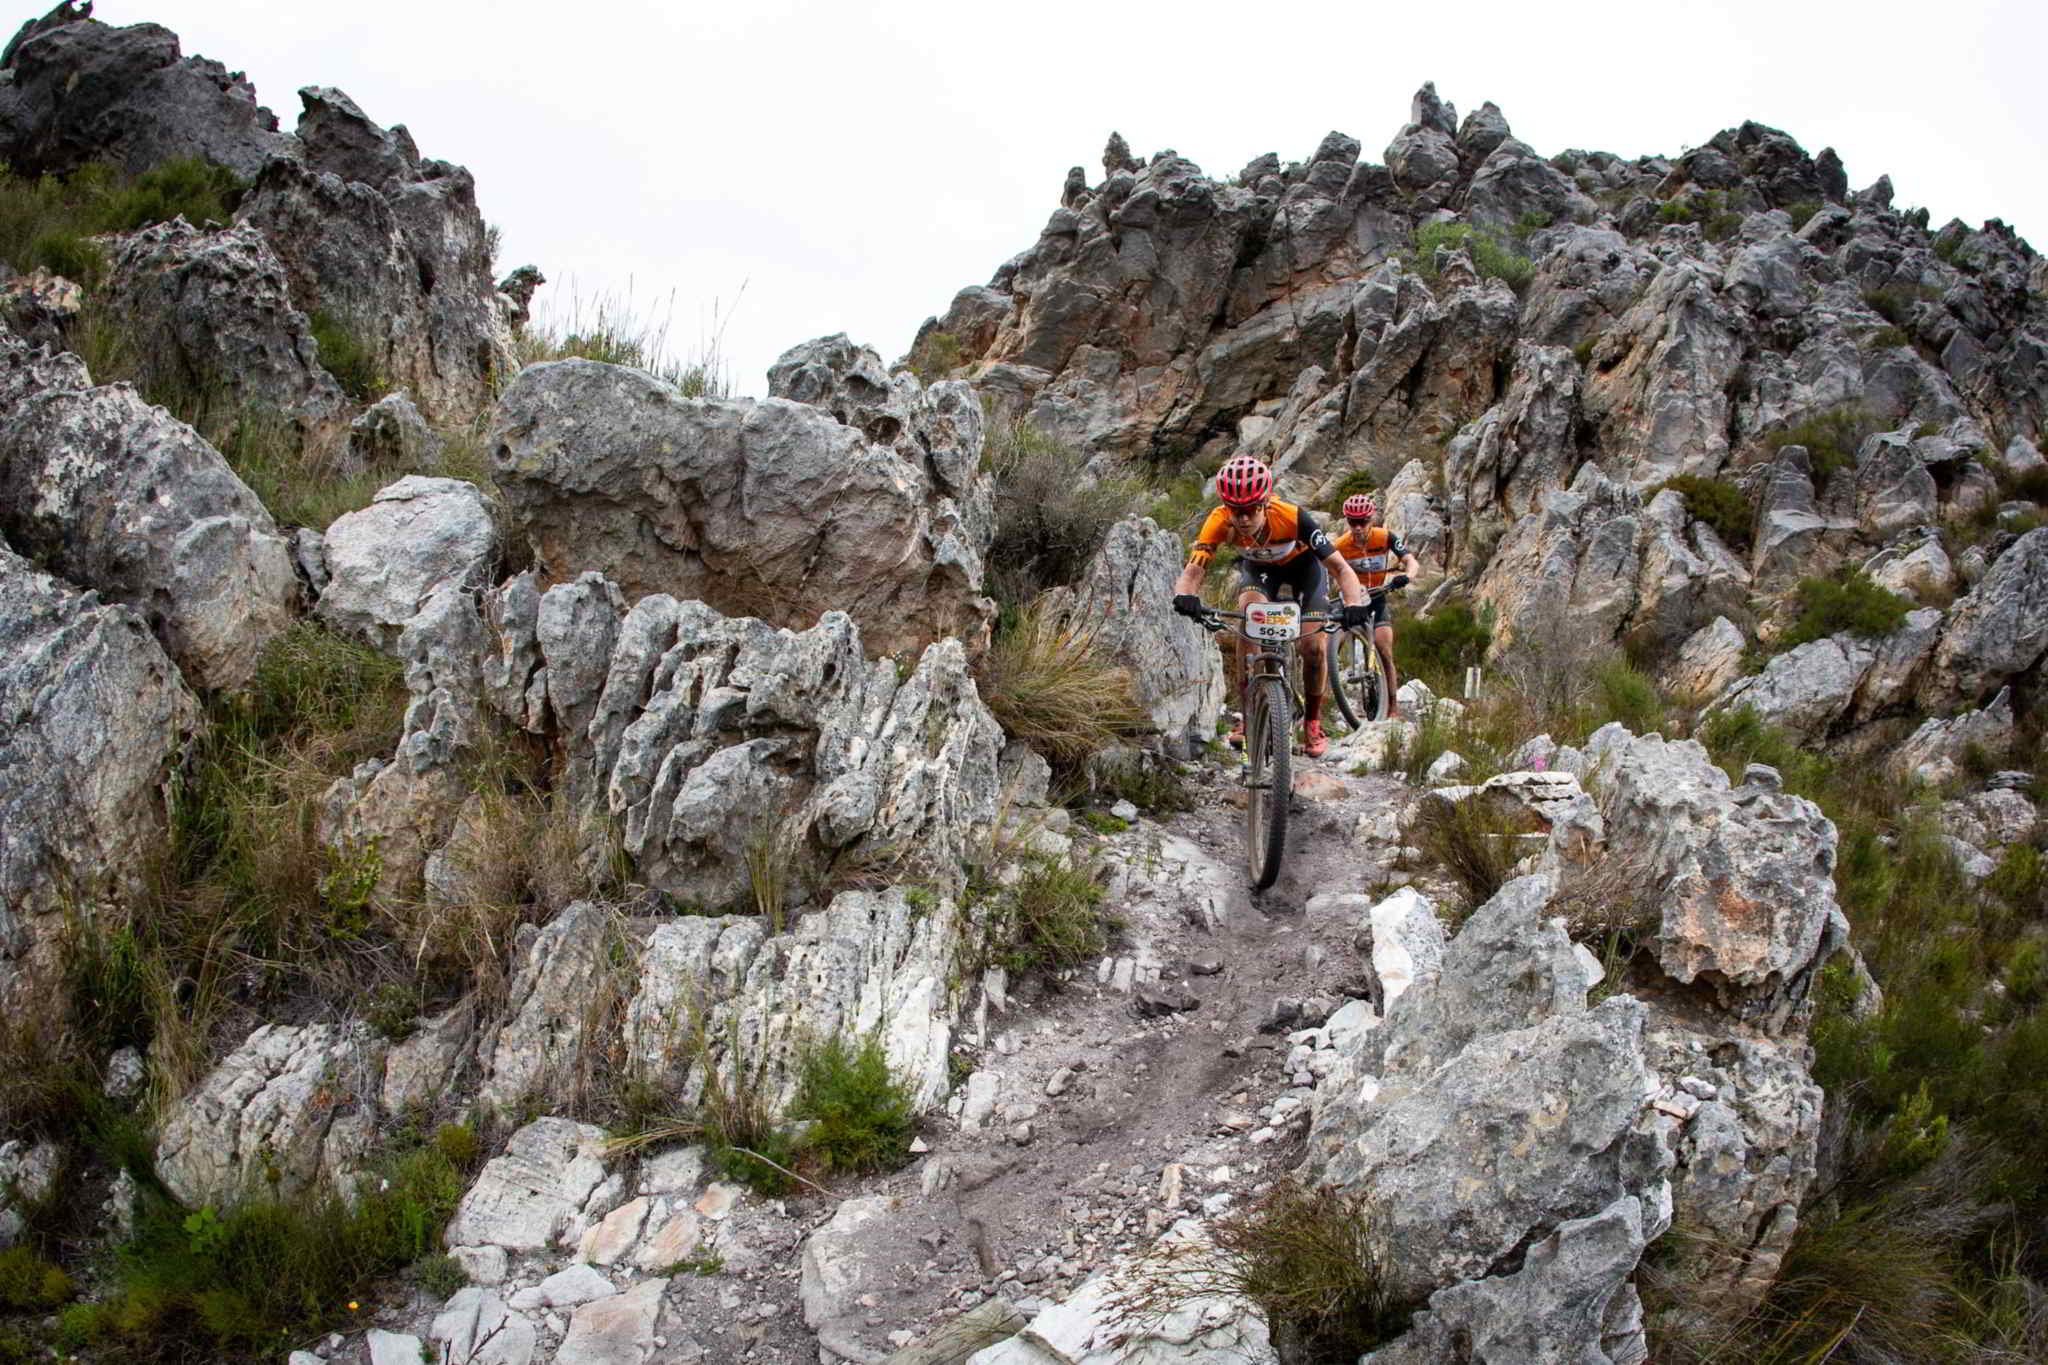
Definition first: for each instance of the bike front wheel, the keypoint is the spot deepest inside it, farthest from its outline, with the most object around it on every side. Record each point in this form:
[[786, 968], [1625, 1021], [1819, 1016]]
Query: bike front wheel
[[1361, 679], [1268, 740]]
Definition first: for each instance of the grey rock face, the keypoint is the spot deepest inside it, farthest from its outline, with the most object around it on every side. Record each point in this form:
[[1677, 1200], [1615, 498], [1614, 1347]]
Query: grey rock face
[[97, 717], [702, 735], [1998, 629], [215, 308], [550, 1011], [392, 246], [1579, 1079], [1126, 598], [1807, 688], [391, 432], [1575, 560], [1934, 752], [1709, 660], [1524, 446], [1747, 900], [296, 1103], [1571, 1300], [119, 496], [772, 509], [1662, 406], [539, 1193], [418, 538], [83, 90]]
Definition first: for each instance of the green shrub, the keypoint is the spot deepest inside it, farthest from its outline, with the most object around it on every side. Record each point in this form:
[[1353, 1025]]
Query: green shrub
[[1630, 696], [1831, 438], [1438, 648], [1491, 257], [1895, 303], [1718, 503], [1885, 339], [75, 257], [1802, 212], [30, 1284], [1709, 209], [859, 1110], [1846, 602], [346, 356], [1478, 841], [936, 356], [1051, 514], [190, 187]]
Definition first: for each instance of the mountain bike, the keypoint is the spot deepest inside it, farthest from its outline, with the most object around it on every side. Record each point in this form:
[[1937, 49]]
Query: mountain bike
[[1357, 672], [1271, 628]]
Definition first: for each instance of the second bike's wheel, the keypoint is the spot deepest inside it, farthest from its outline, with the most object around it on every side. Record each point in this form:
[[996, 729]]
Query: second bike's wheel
[[1268, 740], [1339, 658], [1366, 679]]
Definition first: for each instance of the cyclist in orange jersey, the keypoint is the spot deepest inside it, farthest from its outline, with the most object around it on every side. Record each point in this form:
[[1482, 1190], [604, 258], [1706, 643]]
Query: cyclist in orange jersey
[[1278, 545], [1374, 554]]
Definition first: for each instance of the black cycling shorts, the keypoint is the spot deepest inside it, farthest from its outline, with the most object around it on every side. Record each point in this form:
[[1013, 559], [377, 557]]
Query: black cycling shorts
[[1303, 575], [1382, 614]]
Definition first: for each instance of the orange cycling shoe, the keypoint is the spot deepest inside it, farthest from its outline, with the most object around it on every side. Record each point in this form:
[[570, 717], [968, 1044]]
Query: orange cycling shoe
[[1317, 741]]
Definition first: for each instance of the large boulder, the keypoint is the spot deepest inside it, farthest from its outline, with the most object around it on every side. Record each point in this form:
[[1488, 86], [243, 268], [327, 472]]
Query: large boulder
[[293, 1110], [771, 509], [1807, 688], [111, 493], [79, 90], [218, 320], [1997, 630], [97, 719]]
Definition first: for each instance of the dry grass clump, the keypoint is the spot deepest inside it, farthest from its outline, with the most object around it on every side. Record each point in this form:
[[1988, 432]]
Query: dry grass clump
[[1307, 1258], [1052, 684], [1051, 513], [1478, 841]]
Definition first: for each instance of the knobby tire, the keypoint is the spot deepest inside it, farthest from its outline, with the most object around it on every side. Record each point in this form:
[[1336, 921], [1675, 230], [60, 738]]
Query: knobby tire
[[1269, 740], [1333, 675]]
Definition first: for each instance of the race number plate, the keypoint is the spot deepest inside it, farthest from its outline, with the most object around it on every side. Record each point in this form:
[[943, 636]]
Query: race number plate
[[1273, 620]]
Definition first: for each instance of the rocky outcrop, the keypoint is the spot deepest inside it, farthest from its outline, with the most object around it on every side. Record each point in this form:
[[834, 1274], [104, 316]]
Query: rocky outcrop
[[772, 509], [214, 307], [1997, 630], [97, 719], [76, 90], [113, 494], [391, 247], [1125, 603]]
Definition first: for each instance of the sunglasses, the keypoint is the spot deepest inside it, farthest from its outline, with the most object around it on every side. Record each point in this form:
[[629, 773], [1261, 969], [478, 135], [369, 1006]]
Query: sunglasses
[[1359, 521]]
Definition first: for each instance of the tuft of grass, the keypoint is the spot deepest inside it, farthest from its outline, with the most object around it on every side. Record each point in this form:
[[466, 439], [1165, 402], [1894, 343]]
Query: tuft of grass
[[1708, 208], [30, 1284], [1052, 685], [1802, 212], [1718, 503], [1492, 257], [611, 328], [1307, 1258], [1048, 918], [189, 187], [937, 356], [859, 1110], [49, 221], [1478, 841], [1846, 602]]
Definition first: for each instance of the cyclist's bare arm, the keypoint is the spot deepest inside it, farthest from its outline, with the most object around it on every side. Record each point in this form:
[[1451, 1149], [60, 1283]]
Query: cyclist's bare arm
[[1347, 581], [1190, 580]]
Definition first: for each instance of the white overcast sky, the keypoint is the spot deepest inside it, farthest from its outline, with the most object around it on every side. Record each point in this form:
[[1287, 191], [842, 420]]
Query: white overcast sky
[[851, 165]]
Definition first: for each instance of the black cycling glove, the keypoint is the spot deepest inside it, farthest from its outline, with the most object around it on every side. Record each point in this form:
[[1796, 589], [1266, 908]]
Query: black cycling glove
[[1350, 616], [1399, 580], [1187, 604]]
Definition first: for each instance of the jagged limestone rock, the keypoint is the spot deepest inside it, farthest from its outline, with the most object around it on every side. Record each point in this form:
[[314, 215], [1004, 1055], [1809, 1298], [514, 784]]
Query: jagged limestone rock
[[1807, 688], [116, 495], [213, 308], [1997, 630], [771, 509], [291, 1111], [538, 1193]]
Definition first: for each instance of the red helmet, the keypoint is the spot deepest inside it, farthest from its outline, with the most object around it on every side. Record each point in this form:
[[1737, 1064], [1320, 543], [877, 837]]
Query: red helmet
[[1244, 481], [1359, 505]]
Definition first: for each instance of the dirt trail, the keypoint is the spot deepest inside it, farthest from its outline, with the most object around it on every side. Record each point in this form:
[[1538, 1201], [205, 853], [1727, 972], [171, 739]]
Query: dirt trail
[[1099, 1113]]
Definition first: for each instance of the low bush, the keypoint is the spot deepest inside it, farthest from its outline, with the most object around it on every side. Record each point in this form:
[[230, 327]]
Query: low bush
[[47, 220], [1709, 208], [936, 356], [1051, 513], [1051, 685], [1492, 257], [245, 1278], [1802, 212], [1439, 647], [1846, 602], [1831, 438], [859, 1111], [1478, 841], [1718, 503]]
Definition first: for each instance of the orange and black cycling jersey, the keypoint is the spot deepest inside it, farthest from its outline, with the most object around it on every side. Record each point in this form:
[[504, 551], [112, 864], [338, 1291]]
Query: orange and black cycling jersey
[[1373, 555], [1286, 532]]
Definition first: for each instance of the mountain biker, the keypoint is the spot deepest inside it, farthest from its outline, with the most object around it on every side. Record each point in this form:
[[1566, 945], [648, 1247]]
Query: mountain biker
[[1278, 545], [1373, 552]]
